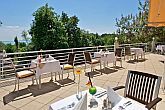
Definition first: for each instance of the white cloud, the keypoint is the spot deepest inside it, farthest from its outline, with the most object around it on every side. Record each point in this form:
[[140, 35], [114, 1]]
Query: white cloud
[[13, 27], [8, 33]]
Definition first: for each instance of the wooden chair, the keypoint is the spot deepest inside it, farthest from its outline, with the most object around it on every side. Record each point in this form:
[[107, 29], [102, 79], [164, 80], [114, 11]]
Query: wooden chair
[[128, 52], [26, 72], [89, 60], [142, 87], [69, 65], [118, 54]]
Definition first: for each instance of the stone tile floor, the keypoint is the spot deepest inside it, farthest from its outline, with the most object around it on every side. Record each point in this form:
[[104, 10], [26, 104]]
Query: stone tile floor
[[30, 98]]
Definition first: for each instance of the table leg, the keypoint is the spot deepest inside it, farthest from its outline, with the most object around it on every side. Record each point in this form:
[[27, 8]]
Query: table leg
[[51, 76], [104, 67], [55, 76], [32, 80], [40, 82]]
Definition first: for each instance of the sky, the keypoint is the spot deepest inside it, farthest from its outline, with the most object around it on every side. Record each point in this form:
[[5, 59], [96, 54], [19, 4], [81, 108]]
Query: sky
[[94, 15]]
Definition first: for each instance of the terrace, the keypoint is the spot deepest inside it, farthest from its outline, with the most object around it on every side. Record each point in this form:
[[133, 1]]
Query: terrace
[[31, 98]]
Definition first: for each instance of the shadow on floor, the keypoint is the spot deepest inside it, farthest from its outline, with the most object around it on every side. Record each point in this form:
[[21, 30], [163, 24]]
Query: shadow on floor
[[45, 88], [107, 70], [136, 61], [15, 95], [119, 67], [66, 82], [161, 61], [93, 73], [32, 90]]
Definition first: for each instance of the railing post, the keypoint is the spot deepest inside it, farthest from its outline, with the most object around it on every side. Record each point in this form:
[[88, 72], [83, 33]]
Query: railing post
[[153, 45]]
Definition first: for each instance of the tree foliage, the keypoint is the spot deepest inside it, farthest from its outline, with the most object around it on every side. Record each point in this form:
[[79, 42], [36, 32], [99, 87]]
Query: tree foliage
[[2, 46], [44, 28], [133, 28], [16, 43], [51, 31]]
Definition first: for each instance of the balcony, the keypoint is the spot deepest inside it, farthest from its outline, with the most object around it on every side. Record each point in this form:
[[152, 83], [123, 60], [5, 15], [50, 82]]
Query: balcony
[[30, 98]]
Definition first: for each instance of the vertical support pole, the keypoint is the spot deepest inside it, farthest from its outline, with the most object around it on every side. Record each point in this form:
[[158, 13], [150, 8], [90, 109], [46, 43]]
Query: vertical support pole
[[153, 45]]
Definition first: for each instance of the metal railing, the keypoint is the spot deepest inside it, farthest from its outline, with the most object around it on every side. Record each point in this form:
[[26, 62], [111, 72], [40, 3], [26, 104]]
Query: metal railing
[[22, 59]]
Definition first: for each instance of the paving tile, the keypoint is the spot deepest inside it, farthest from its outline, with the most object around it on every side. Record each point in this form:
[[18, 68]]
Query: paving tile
[[32, 106], [3, 94], [28, 101], [45, 107], [44, 99], [2, 90], [53, 101], [6, 107], [20, 102]]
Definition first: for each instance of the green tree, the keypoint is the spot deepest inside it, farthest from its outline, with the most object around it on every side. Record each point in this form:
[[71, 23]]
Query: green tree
[[72, 31], [135, 29], [2, 46], [46, 29], [16, 43], [85, 41], [24, 35], [9, 48]]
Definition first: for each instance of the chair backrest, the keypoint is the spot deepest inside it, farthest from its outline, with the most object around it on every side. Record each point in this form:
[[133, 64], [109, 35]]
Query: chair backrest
[[71, 58], [10, 65], [87, 56], [118, 52], [127, 51], [142, 87]]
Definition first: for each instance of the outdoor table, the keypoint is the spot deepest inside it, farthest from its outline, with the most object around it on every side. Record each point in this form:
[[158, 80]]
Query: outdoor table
[[64, 103], [161, 48], [46, 66], [137, 51], [106, 57]]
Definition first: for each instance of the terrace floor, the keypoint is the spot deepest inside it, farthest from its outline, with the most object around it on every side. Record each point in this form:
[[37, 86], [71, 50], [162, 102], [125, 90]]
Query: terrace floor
[[30, 98]]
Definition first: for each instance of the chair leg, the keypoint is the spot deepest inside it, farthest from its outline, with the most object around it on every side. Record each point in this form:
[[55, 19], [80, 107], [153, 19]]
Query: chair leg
[[114, 65], [36, 80], [55, 76], [85, 67], [18, 84], [104, 66], [91, 67], [73, 74], [121, 63], [68, 75], [100, 67], [32, 80], [59, 76], [154, 108], [15, 84], [51, 76], [62, 77]]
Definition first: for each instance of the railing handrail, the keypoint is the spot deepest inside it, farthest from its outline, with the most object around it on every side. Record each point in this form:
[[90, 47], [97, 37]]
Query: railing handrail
[[24, 58]]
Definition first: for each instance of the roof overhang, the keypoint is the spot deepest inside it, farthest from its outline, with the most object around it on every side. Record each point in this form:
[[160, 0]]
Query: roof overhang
[[156, 16]]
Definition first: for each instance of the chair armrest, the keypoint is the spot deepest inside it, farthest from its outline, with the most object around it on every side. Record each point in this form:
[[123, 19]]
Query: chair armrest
[[96, 57], [87, 61], [118, 87], [29, 68], [152, 103]]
